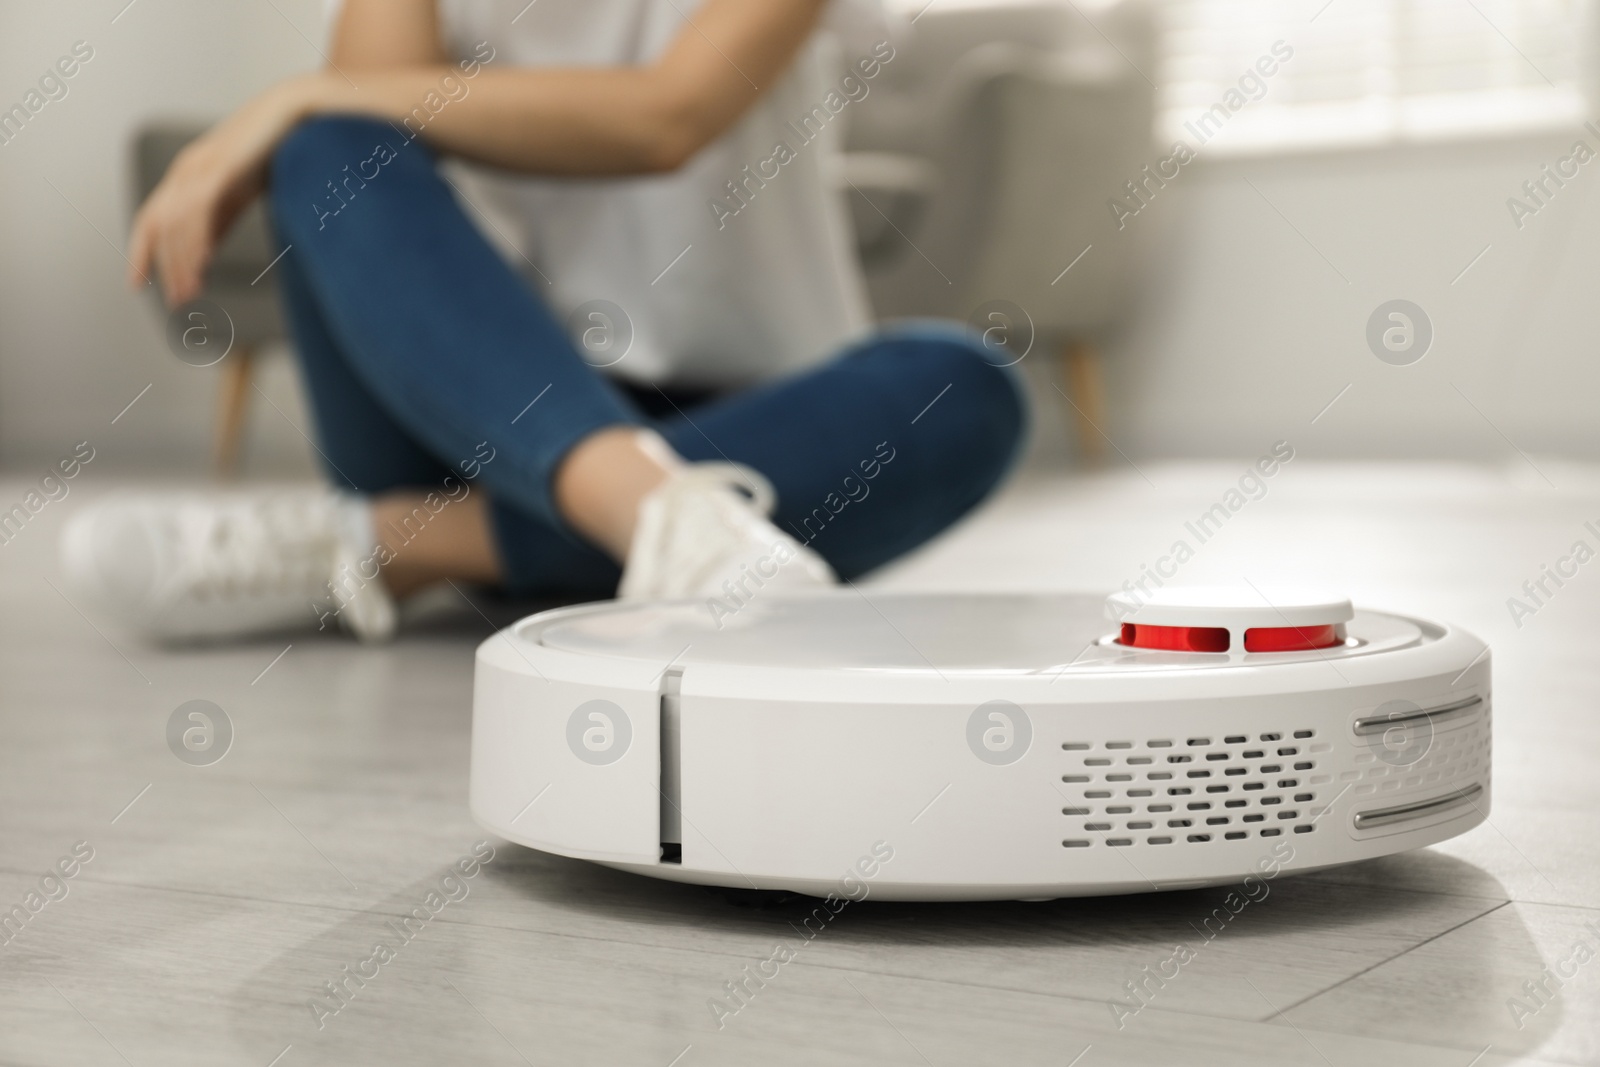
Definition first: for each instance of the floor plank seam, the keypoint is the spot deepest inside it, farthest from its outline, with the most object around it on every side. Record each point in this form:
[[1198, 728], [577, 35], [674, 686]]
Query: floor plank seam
[[1411, 889], [1466, 896], [1522, 1058], [1056, 996], [1391, 959], [1210, 1015], [464, 923]]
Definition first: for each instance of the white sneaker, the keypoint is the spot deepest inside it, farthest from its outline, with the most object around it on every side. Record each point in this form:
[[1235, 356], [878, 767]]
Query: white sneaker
[[191, 566], [698, 535]]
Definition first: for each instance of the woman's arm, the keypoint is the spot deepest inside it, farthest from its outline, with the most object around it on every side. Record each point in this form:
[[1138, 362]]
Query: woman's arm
[[578, 121], [387, 33], [575, 121]]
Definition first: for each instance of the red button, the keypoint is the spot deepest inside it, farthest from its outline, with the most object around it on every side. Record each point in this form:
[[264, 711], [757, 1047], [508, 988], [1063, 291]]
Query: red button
[[1291, 638], [1175, 638]]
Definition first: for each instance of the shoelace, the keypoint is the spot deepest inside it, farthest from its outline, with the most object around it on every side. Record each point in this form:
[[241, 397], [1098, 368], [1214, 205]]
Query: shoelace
[[256, 547], [734, 476]]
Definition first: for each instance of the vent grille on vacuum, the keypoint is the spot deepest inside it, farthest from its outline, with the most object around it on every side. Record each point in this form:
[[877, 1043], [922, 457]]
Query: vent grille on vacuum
[[1455, 753], [1190, 790]]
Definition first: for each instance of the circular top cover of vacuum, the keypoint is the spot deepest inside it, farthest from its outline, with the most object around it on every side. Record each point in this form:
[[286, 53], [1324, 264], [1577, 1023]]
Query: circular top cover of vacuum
[[980, 746], [934, 632]]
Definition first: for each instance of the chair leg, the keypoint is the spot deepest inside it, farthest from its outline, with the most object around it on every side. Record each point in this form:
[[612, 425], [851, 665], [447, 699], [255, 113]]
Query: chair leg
[[1081, 367], [232, 399]]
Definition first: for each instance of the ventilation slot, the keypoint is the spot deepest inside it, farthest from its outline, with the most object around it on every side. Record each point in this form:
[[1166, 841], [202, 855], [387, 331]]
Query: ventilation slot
[[1131, 781]]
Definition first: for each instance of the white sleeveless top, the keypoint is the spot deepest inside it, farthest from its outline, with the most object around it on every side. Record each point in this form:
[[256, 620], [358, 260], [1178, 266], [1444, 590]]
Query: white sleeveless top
[[710, 297]]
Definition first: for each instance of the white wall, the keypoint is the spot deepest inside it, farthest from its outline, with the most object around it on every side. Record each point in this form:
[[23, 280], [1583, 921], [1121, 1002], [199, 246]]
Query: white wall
[[1245, 332]]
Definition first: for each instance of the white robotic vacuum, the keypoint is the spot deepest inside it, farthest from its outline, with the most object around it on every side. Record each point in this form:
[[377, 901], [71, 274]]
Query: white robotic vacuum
[[980, 747]]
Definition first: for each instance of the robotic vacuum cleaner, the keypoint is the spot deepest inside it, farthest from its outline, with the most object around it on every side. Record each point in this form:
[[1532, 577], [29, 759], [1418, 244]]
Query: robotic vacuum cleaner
[[980, 747]]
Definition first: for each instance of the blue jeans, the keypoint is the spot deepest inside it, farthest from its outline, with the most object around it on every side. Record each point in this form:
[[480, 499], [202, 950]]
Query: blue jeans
[[418, 345]]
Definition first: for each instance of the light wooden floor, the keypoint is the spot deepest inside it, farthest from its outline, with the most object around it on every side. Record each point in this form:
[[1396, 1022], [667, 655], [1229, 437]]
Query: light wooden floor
[[220, 899]]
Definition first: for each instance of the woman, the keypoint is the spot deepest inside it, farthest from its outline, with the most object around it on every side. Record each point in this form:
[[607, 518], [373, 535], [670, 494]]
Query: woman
[[669, 176]]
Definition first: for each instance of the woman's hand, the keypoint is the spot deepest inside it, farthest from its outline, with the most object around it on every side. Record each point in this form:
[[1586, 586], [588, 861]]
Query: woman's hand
[[178, 227]]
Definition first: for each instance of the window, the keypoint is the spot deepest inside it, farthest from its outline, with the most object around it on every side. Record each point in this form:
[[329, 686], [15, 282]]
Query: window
[[1369, 71]]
